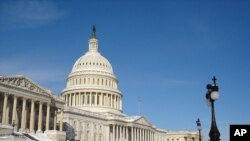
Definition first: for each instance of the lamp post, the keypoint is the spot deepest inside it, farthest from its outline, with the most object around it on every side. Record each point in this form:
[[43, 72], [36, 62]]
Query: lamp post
[[212, 95], [198, 123]]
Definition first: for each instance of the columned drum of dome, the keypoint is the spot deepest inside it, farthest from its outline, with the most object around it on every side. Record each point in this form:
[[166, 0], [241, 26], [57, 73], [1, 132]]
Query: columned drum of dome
[[92, 85]]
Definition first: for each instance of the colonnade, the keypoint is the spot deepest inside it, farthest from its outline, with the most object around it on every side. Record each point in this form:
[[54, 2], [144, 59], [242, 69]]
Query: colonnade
[[93, 99], [127, 133], [27, 114]]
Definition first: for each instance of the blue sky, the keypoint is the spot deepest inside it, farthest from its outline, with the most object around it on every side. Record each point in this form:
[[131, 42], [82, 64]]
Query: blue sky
[[165, 52]]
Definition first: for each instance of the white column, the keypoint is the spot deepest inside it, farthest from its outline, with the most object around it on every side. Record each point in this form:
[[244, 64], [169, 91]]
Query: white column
[[116, 133], [7, 113], [67, 99], [137, 135], [70, 99], [85, 98], [131, 133], [147, 135], [114, 101], [14, 110], [111, 100], [23, 125], [105, 99], [47, 116], [120, 128], [32, 116], [90, 98], [4, 108], [100, 98], [121, 103], [95, 99], [79, 99], [142, 138], [122, 132], [107, 133], [55, 114], [127, 133], [151, 136], [113, 139], [40, 116], [61, 120], [141, 134]]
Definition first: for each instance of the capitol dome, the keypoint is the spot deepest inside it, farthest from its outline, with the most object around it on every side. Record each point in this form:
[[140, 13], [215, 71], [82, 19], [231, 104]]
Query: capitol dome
[[92, 61], [92, 85]]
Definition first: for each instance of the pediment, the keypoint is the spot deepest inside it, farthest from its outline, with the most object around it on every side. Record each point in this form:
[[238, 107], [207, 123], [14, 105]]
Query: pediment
[[24, 83], [143, 121]]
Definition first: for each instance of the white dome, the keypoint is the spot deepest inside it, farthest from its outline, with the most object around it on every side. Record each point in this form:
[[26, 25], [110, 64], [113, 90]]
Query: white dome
[[92, 85], [92, 61]]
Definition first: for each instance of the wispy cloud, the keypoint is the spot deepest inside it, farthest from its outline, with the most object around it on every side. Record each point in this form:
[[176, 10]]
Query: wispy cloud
[[28, 13]]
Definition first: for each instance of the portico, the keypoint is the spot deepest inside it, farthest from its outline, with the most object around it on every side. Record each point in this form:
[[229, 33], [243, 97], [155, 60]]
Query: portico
[[27, 106]]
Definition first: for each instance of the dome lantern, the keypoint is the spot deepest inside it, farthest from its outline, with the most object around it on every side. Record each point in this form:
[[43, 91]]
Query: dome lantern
[[93, 42]]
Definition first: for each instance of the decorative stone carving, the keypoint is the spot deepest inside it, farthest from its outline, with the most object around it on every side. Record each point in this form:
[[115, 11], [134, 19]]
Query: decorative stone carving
[[25, 83], [143, 121]]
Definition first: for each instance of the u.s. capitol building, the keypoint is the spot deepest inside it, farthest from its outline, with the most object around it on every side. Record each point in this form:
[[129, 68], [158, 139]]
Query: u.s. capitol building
[[88, 109]]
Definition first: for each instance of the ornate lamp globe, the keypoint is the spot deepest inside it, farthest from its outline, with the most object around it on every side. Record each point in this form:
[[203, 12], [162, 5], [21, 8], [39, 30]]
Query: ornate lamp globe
[[215, 95]]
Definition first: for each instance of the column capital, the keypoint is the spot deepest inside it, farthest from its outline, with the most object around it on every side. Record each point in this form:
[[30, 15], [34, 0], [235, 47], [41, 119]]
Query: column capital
[[7, 94], [42, 102], [32, 100]]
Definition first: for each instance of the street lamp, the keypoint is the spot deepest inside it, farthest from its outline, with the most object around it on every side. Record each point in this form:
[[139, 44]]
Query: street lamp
[[212, 95], [198, 123]]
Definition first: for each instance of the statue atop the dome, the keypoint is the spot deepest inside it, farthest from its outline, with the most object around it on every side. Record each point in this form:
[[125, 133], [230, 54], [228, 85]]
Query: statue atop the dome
[[93, 32]]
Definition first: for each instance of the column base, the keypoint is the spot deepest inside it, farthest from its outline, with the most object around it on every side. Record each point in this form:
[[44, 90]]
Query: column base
[[39, 131], [22, 130], [32, 131]]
